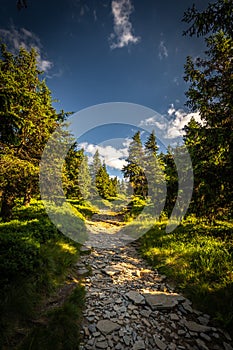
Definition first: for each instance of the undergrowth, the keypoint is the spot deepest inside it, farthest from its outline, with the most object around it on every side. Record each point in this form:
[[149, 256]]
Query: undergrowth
[[198, 257], [34, 261]]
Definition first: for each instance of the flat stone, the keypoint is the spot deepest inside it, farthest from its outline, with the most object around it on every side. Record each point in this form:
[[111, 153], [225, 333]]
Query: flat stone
[[85, 249], [111, 271], [102, 345], [145, 313], [82, 271], [203, 320], [186, 305], [201, 345], [195, 327], [161, 300], [161, 345], [136, 297], [139, 345], [205, 337], [127, 339], [174, 317], [107, 326]]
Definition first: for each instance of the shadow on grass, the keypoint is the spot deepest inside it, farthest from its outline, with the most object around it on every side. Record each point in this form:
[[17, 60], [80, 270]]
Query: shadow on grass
[[34, 261]]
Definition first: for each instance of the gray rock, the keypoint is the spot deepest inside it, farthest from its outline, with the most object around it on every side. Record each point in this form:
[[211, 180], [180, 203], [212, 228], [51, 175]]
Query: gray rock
[[107, 326], [136, 297], [201, 345], [82, 271], [203, 320], [92, 328], [174, 317], [84, 249], [205, 337], [195, 327], [161, 300], [102, 345], [111, 271], [118, 346], [186, 305], [127, 340], [139, 345], [160, 344]]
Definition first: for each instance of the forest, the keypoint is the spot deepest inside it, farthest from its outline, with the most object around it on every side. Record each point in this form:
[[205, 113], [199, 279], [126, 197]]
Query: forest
[[36, 258]]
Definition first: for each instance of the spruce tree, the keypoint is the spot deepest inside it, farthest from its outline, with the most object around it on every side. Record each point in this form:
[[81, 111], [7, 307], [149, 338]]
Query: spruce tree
[[154, 170], [27, 119], [134, 169], [210, 92]]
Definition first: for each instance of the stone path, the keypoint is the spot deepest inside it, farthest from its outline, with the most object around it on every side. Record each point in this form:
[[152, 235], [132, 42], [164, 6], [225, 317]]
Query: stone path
[[130, 306]]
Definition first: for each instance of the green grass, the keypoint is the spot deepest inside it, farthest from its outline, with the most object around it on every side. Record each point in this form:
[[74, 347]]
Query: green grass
[[35, 259], [199, 259], [61, 328], [84, 207]]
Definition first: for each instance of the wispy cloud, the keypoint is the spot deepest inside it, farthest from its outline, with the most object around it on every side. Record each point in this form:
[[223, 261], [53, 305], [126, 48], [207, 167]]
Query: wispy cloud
[[24, 38], [114, 158], [172, 127], [123, 29], [163, 51]]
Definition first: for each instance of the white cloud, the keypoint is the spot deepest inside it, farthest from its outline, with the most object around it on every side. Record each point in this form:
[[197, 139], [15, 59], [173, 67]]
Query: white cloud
[[112, 157], [180, 120], [163, 51], [171, 109], [172, 127], [123, 30], [152, 121], [24, 38]]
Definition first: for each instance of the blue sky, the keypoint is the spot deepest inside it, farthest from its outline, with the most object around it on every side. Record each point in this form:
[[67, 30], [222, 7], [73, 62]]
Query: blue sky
[[96, 51]]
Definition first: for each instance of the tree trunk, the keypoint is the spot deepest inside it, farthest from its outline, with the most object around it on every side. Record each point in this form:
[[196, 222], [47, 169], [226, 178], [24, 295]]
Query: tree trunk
[[7, 205]]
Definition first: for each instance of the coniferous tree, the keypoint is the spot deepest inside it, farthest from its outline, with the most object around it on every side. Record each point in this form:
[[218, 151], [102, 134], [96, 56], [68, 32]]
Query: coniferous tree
[[210, 93], [27, 119], [102, 182], [96, 165], [134, 169], [154, 170], [84, 179], [171, 177]]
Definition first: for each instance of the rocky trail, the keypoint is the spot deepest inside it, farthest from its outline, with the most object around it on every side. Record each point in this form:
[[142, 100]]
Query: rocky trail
[[131, 306]]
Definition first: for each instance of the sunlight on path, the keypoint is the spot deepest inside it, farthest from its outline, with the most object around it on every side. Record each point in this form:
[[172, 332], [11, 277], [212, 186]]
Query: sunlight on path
[[104, 230]]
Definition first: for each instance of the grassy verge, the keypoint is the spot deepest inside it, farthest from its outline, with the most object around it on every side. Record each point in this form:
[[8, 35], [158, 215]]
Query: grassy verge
[[199, 259], [35, 259], [84, 207], [61, 328]]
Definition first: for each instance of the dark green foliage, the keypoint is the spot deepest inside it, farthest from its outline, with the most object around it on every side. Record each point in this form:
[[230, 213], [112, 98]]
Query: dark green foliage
[[171, 176], [26, 120], [218, 15], [210, 93], [154, 169], [34, 260], [62, 329], [134, 170]]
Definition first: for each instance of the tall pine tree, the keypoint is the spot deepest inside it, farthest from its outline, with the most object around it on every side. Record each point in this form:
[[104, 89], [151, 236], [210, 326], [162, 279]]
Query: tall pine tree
[[27, 119], [210, 93], [134, 169]]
